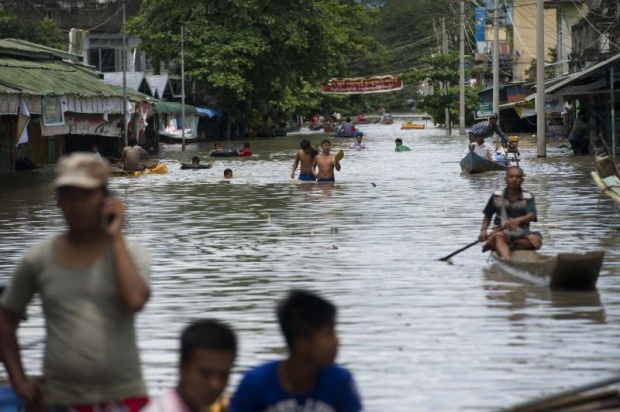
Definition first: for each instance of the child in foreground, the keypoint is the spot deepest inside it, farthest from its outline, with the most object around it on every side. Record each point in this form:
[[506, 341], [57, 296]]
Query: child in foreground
[[308, 379], [208, 351]]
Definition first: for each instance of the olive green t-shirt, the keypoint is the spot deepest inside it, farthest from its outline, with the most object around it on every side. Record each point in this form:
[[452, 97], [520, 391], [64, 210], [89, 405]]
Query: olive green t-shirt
[[91, 353]]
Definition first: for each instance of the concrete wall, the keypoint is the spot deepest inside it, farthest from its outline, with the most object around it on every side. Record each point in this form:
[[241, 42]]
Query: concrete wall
[[524, 23]]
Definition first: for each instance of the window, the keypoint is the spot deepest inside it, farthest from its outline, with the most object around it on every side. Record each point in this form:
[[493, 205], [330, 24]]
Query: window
[[107, 59]]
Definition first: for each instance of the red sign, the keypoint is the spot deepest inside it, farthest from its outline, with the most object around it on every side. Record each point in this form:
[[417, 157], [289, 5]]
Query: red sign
[[363, 85]]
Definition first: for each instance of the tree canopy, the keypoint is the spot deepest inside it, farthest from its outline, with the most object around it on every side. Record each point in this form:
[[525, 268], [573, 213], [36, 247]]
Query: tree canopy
[[45, 32], [258, 52]]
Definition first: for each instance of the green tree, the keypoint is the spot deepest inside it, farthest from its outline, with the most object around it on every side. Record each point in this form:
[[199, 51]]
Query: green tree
[[258, 53], [439, 69], [44, 32]]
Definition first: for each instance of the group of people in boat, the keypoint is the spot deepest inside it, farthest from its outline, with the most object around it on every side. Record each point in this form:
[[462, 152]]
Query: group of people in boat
[[93, 281]]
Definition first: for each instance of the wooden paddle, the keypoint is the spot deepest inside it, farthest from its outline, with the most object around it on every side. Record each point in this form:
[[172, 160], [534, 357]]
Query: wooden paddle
[[339, 156], [443, 259]]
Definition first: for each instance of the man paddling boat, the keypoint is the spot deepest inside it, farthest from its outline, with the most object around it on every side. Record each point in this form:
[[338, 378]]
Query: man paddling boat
[[514, 209]]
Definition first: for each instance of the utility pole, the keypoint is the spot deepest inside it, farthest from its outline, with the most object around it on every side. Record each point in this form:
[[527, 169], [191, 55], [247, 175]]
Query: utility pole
[[446, 83], [182, 89], [125, 123], [462, 71], [541, 136], [496, 58]]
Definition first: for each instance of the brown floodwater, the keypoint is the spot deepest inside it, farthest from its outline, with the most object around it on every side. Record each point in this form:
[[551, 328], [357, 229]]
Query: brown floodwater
[[418, 334]]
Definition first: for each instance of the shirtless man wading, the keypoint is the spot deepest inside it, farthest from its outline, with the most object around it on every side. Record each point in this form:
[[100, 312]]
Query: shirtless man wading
[[131, 156], [305, 156], [325, 162]]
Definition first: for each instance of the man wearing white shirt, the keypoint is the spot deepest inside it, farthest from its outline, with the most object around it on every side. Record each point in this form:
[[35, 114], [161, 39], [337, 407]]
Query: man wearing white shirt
[[484, 150]]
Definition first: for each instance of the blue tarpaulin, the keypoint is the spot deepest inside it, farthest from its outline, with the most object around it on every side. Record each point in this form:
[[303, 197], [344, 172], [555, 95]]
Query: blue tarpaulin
[[211, 112]]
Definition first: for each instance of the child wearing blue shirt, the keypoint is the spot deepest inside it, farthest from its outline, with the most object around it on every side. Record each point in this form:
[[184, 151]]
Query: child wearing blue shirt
[[308, 379]]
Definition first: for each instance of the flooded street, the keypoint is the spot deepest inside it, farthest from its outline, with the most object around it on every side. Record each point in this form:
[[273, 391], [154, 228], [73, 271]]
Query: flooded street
[[418, 334]]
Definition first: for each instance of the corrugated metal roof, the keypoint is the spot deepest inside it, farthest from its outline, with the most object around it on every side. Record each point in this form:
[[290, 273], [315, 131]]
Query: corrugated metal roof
[[134, 79], [56, 79], [37, 50], [157, 83]]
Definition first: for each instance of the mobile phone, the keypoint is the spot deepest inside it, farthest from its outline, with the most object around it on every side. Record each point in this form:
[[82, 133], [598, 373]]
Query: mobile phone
[[108, 194]]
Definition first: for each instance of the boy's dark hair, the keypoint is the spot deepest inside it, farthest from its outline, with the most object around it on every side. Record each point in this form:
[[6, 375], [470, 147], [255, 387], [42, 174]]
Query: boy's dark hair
[[301, 313], [132, 141], [246, 144], [325, 141], [398, 141], [304, 144], [226, 171], [195, 158], [348, 119], [208, 334]]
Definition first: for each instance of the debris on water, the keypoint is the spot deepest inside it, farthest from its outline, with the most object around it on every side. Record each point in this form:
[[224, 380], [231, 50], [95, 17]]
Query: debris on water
[[333, 230], [373, 185], [334, 246], [312, 232]]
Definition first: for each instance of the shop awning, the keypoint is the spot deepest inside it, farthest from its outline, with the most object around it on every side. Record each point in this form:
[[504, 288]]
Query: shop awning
[[174, 109], [211, 112], [582, 74]]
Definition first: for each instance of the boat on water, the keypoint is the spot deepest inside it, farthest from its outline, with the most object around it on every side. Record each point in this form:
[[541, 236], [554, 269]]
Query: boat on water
[[157, 168], [598, 396], [410, 125], [607, 177], [575, 271], [472, 163]]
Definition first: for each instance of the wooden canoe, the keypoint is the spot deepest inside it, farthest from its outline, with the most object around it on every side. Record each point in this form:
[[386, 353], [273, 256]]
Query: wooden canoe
[[607, 177], [472, 163], [576, 271], [411, 125], [157, 168], [597, 396]]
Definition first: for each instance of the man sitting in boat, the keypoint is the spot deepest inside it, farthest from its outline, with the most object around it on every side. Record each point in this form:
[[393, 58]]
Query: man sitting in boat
[[483, 149], [514, 209], [131, 156], [488, 129], [348, 129]]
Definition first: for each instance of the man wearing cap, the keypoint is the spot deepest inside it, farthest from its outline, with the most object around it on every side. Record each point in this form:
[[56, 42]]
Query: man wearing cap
[[91, 282], [487, 129]]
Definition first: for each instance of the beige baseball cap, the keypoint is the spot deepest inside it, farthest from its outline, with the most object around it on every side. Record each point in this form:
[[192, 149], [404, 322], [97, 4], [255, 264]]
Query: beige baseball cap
[[82, 170]]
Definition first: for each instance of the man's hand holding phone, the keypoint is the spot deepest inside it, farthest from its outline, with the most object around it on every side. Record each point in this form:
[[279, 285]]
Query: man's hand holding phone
[[112, 214]]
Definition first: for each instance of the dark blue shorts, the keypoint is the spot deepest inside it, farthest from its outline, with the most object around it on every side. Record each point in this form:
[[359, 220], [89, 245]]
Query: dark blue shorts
[[307, 177]]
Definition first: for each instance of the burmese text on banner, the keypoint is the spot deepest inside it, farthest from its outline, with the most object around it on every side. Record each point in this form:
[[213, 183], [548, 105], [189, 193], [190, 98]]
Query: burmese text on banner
[[363, 85]]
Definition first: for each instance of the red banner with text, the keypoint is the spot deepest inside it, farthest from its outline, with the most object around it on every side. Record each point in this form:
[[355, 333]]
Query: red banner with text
[[363, 85]]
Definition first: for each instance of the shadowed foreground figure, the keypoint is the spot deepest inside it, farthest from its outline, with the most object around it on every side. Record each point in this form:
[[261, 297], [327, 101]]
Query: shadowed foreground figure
[[308, 379], [91, 281]]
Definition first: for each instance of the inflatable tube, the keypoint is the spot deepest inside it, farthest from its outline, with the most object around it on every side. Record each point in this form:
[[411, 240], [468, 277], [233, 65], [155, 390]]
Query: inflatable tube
[[229, 152], [194, 166]]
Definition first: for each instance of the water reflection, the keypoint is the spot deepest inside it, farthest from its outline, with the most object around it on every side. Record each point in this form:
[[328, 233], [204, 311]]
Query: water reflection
[[515, 295]]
